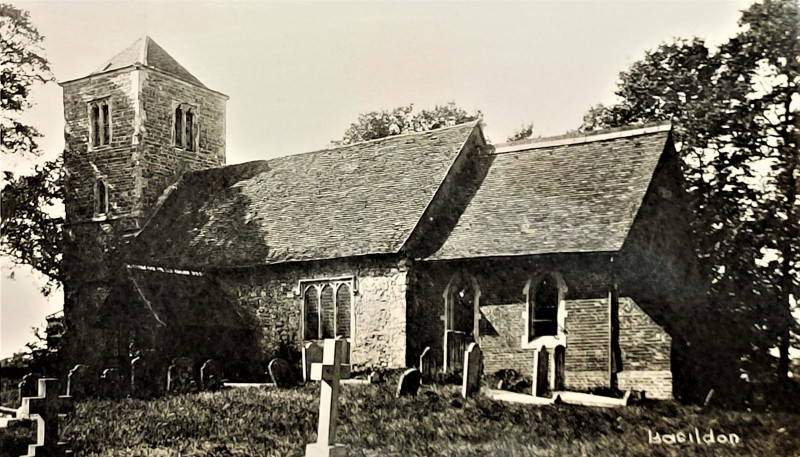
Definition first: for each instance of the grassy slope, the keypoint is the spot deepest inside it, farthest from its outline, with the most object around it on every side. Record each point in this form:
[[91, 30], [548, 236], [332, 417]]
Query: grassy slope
[[437, 423]]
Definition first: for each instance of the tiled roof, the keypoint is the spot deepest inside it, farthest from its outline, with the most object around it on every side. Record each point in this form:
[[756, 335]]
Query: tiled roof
[[558, 196], [360, 199], [147, 52]]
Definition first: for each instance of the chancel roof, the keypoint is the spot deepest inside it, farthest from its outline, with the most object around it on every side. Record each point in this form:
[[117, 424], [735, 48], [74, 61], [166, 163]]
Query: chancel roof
[[562, 195], [148, 53], [359, 199]]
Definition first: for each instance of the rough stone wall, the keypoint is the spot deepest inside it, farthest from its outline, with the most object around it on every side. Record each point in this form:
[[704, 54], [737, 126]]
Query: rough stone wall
[[646, 350], [270, 294], [137, 165], [162, 161], [116, 162]]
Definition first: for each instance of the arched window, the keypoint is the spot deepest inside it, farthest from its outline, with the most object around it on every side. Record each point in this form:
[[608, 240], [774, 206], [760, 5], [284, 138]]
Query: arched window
[[100, 123], [100, 198], [327, 309], [328, 313], [343, 311], [311, 314], [185, 128], [545, 297]]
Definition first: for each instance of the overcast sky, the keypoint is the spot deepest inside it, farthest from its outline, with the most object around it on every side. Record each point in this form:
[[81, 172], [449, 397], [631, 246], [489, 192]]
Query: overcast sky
[[299, 73]]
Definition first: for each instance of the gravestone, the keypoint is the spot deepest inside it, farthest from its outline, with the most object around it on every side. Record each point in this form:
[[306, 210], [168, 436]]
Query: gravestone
[[409, 383], [427, 365], [81, 382], [375, 377], [180, 376], [281, 373], [27, 387], [210, 375], [330, 371], [111, 383], [312, 353], [146, 376], [48, 406], [473, 365]]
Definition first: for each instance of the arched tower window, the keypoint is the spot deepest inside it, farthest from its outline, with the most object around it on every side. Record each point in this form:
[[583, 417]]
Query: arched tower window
[[100, 123], [185, 128], [100, 198]]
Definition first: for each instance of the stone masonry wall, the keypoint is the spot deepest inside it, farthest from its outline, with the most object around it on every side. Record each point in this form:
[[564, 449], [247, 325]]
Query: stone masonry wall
[[270, 295], [162, 162], [116, 162], [646, 350]]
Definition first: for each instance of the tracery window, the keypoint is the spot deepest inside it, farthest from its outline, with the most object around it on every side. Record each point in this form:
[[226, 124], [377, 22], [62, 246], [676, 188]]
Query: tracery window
[[327, 308]]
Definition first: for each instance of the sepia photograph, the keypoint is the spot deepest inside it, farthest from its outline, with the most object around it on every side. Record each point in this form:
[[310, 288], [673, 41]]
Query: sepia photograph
[[400, 228]]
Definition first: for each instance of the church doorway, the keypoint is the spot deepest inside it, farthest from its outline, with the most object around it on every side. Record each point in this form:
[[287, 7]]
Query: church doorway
[[461, 299]]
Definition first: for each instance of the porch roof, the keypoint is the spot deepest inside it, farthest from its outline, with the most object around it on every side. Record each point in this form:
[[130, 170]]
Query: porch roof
[[559, 195]]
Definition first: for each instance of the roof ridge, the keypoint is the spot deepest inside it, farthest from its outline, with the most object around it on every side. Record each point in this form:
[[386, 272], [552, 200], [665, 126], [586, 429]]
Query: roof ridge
[[388, 137], [580, 138]]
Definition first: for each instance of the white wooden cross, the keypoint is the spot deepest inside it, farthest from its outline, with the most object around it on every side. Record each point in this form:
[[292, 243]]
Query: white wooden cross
[[48, 406], [330, 371]]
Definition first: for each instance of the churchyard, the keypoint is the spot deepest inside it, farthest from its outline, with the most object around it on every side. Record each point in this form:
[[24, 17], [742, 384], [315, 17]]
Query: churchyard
[[395, 413]]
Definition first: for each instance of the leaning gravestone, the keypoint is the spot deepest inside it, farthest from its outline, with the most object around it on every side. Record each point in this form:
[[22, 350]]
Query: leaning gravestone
[[111, 384], [210, 375], [180, 376], [473, 361], [409, 383], [281, 373], [28, 386], [312, 353], [80, 382]]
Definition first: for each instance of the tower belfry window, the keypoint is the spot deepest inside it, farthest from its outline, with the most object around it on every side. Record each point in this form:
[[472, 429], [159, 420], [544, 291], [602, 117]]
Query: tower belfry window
[[185, 131], [100, 123]]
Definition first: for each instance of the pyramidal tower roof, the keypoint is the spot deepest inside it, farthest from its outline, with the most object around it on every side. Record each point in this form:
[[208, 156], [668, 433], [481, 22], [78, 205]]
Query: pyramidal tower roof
[[148, 53]]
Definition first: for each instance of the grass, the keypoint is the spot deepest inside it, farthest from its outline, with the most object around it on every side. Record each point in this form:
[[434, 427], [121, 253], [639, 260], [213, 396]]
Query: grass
[[272, 422]]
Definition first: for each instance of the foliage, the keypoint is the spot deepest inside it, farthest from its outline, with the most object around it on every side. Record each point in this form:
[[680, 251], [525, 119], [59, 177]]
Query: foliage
[[380, 124], [524, 132], [437, 422], [21, 67], [735, 115], [31, 234]]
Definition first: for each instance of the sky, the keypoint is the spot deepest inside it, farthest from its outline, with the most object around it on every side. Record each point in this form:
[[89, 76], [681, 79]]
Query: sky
[[299, 73]]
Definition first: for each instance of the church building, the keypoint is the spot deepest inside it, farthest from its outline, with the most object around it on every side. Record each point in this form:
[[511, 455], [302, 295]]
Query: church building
[[564, 258]]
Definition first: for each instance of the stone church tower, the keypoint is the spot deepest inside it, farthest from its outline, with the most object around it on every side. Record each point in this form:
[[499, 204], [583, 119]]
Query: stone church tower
[[133, 127]]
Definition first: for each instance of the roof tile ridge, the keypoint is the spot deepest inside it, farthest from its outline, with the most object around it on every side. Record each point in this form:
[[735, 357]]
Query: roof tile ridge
[[590, 137], [406, 134]]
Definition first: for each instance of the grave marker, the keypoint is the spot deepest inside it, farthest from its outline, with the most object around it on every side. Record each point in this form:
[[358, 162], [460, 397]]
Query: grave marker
[[312, 354], [145, 371], [330, 371], [111, 383], [427, 364], [473, 361], [27, 387], [79, 382], [281, 373], [48, 406], [180, 376], [409, 382], [210, 375]]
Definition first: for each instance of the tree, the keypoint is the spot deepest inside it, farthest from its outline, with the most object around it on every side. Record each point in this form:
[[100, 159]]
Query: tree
[[21, 67], [524, 132], [30, 235], [735, 117], [380, 124]]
